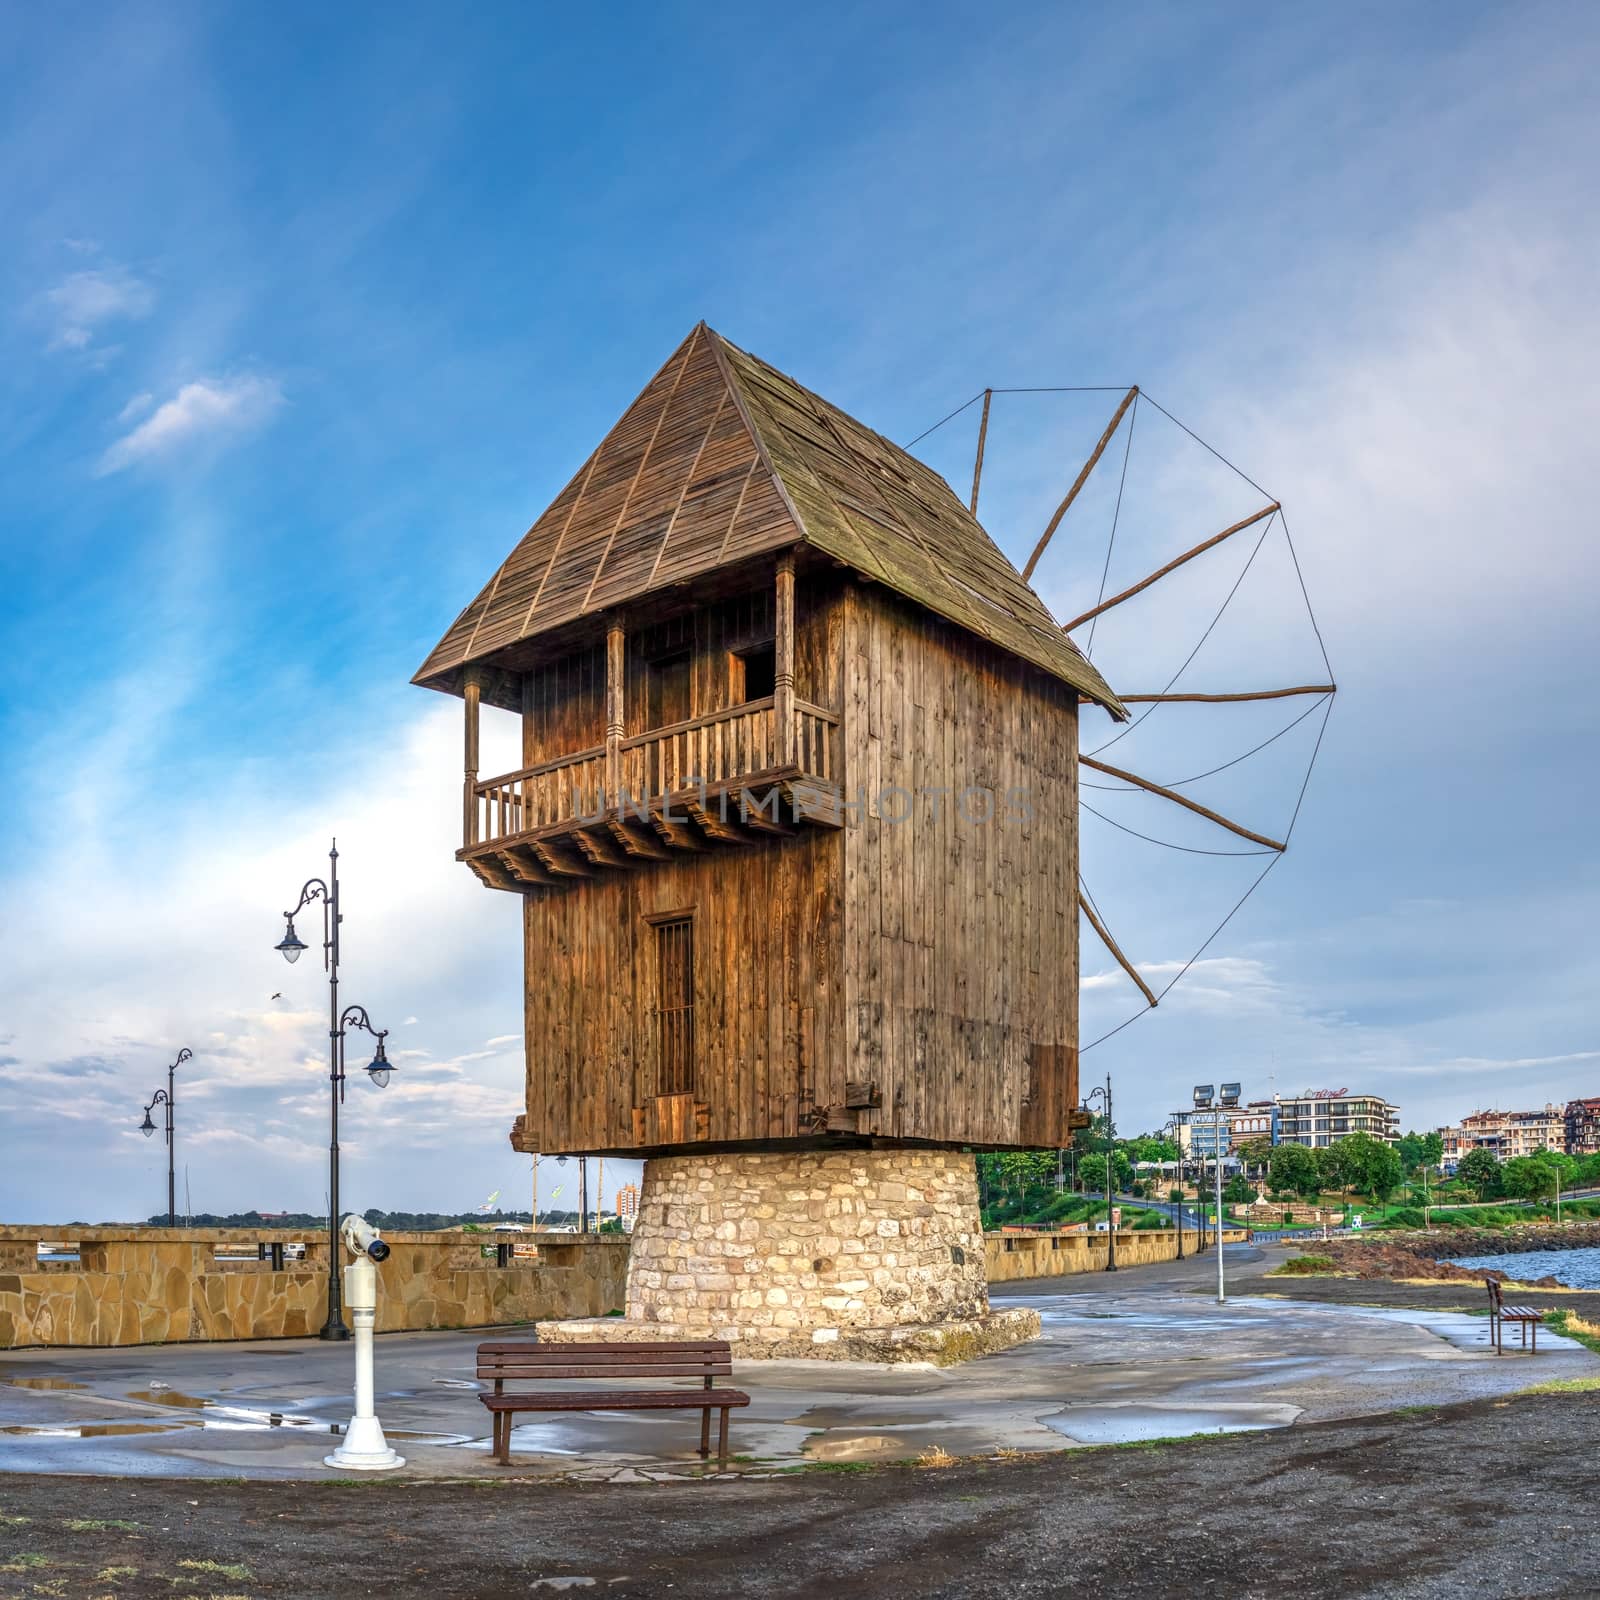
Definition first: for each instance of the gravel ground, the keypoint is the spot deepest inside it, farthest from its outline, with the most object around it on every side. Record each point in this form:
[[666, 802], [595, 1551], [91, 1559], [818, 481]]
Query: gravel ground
[[1494, 1498]]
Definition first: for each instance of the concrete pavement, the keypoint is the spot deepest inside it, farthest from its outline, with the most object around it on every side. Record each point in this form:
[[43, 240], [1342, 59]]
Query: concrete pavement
[[1143, 1353]]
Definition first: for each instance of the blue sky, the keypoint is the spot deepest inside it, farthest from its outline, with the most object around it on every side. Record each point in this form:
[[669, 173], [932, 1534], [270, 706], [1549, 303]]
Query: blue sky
[[305, 316]]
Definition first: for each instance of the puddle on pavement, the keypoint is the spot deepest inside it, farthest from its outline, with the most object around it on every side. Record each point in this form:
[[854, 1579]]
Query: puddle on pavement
[[44, 1383], [168, 1397], [1131, 1423], [856, 1417], [862, 1447], [91, 1430]]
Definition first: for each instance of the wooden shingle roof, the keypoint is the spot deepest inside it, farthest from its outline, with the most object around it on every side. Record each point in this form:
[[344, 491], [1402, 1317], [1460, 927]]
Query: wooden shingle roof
[[722, 458]]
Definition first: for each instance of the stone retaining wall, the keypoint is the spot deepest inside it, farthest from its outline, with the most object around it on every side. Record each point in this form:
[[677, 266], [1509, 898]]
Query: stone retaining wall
[[1012, 1256], [160, 1285]]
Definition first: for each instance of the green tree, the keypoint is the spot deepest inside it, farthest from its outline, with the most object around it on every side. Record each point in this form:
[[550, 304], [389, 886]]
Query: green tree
[[1237, 1191], [1367, 1165], [1294, 1168], [1533, 1177], [1256, 1153], [1480, 1171]]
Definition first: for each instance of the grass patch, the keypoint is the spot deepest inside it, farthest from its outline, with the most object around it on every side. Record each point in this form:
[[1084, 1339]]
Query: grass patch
[[100, 1525], [837, 1466], [112, 1574], [1564, 1386], [27, 1561], [1303, 1266], [1571, 1326], [219, 1569], [936, 1456], [14, 1522]]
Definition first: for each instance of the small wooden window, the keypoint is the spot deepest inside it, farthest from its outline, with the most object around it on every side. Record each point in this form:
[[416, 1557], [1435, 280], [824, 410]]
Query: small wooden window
[[675, 1005], [667, 690], [754, 673]]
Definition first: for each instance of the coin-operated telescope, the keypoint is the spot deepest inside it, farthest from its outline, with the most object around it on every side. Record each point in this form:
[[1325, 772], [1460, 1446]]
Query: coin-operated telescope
[[364, 1446]]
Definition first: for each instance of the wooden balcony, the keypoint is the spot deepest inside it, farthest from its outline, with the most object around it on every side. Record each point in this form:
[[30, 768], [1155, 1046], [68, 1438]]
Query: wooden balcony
[[735, 777]]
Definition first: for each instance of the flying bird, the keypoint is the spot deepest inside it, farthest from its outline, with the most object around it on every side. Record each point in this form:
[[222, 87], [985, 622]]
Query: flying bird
[[277, 997]]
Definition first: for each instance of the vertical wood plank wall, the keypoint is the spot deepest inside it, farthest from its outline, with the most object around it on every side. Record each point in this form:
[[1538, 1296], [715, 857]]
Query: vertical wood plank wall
[[961, 937], [934, 959]]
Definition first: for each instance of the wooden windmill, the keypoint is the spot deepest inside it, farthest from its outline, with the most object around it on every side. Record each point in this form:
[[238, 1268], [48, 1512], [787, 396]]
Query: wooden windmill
[[795, 829]]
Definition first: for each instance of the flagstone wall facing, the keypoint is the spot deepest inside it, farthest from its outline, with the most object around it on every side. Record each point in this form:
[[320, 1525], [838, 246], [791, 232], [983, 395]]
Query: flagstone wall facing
[[161, 1285]]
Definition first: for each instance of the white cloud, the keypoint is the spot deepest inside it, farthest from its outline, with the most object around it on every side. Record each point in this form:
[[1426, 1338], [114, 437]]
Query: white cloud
[[137, 406], [83, 301], [202, 411]]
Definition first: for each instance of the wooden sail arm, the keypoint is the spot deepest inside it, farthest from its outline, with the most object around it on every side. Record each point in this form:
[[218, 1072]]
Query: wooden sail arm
[[1079, 481], [983, 434], [1183, 800], [1172, 566], [1112, 945], [1218, 699]]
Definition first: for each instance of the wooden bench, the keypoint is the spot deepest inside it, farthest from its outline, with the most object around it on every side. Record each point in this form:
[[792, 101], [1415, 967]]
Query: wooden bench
[[706, 1359], [1500, 1314]]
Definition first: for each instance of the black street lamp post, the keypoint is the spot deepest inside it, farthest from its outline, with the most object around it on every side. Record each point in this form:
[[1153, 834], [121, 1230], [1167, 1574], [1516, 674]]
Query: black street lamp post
[[166, 1097], [339, 1023], [1104, 1095], [1173, 1127]]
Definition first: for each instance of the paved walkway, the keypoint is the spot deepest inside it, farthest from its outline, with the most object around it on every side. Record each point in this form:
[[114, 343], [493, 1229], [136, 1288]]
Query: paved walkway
[[1141, 1354]]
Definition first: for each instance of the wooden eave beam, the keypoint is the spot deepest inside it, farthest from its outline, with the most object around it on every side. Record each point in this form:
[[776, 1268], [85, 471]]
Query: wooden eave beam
[[712, 825], [1218, 699], [675, 833], [754, 813], [600, 850], [1184, 801], [1112, 945], [555, 862], [523, 864], [636, 842], [492, 875], [1172, 566], [1079, 481], [977, 465]]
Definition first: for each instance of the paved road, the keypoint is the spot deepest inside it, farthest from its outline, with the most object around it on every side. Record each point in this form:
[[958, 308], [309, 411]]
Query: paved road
[[1493, 1498], [1138, 1354]]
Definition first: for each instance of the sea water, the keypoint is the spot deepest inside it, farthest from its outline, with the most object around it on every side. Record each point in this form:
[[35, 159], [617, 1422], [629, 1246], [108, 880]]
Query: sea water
[[1577, 1269]]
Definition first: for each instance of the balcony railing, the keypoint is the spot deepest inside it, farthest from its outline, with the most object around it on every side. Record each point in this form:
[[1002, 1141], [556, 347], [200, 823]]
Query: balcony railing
[[727, 748]]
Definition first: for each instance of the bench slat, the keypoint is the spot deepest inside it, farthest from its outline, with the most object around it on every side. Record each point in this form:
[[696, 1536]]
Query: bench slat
[[625, 1400], [638, 1374], [569, 1355], [676, 1346]]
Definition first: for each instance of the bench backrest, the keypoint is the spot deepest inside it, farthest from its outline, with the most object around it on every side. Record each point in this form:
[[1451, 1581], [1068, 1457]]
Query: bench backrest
[[504, 1361], [1496, 1298]]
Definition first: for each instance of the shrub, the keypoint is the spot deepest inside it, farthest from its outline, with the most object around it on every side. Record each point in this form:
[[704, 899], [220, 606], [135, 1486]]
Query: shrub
[[1306, 1265]]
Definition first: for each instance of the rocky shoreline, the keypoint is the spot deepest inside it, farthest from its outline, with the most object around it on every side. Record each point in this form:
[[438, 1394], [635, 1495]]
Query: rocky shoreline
[[1417, 1255]]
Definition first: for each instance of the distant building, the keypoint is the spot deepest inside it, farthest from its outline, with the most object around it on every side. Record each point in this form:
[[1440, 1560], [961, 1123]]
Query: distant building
[[1321, 1117], [1198, 1135], [1506, 1134], [1581, 1127], [627, 1206]]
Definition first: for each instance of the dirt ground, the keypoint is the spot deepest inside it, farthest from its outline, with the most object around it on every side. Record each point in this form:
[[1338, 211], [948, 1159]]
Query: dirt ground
[[1493, 1498]]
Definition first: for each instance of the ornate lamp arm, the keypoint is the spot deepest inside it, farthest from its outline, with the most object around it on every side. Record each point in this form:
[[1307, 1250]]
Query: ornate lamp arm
[[380, 1068]]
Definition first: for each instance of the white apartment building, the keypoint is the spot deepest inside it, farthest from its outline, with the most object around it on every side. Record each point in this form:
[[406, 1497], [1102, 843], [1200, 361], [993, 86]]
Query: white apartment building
[[1320, 1117]]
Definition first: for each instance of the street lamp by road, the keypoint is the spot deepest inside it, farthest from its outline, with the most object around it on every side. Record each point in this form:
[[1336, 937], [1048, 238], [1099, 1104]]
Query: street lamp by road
[[1172, 1127], [291, 947], [1104, 1096], [1206, 1099], [166, 1097]]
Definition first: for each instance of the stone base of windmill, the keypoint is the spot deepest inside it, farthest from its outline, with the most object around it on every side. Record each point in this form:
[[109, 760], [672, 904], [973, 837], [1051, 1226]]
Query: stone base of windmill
[[860, 1255]]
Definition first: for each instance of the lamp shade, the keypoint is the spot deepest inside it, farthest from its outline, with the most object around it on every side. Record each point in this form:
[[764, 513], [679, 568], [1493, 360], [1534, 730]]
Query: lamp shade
[[147, 1127], [379, 1068], [290, 945]]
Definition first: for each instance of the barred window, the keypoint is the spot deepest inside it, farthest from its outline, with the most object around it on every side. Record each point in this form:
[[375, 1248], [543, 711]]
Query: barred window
[[675, 1005]]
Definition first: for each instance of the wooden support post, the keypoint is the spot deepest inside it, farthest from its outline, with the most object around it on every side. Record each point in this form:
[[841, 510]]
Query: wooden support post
[[1161, 572], [1112, 945], [1219, 699], [783, 661], [472, 694], [615, 712], [1079, 481], [1183, 800], [983, 434]]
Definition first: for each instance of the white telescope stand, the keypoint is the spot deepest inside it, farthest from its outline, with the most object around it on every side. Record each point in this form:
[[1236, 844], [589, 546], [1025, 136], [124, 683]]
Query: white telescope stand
[[364, 1447]]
